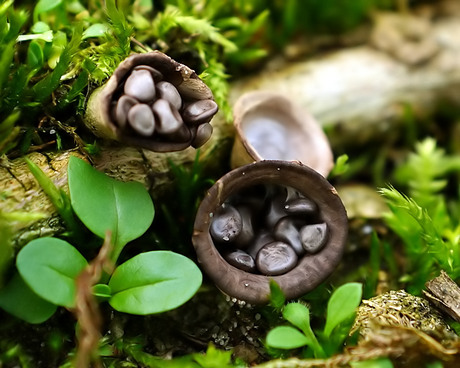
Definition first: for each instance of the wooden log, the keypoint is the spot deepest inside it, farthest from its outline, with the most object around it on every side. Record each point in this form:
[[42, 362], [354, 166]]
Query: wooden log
[[361, 90], [20, 192], [444, 293]]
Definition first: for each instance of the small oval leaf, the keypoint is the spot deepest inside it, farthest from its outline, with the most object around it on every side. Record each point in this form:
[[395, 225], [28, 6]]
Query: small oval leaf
[[40, 27], [286, 337], [49, 266], [102, 292], [34, 55], [20, 301], [95, 30], [154, 282], [103, 203], [299, 315], [43, 6], [342, 305]]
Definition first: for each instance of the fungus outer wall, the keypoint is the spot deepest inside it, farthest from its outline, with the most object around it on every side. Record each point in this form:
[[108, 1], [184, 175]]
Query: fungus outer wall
[[311, 270]]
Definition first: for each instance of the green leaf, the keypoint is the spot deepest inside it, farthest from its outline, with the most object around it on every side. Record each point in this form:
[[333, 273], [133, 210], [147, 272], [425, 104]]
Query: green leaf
[[4, 7], [154, 282], [40, 27], [7, 53], [74, 7], [214, 358], [103, 203], [341, 166], [19, 300], [120, 26], [102, 292], [342, 305], [286, 337], [57, 196], [194, 25], [50, 266], [34, 55], [16, 20], [251, 27], [9, 132], [299, 315], [277, 298], [44, 6], [6, 247], [248, 55], [47, 85], [54, 50], [95, 30], [373, 267]]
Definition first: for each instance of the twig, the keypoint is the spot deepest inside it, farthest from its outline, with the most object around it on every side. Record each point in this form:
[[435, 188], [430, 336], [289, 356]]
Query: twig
[[87, 309]]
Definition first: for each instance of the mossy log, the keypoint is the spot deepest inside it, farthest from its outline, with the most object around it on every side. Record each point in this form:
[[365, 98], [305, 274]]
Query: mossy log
[[362, 90], [19, 191]]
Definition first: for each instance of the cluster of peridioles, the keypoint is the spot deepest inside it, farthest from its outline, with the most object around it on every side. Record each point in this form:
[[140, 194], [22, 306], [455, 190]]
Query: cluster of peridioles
[[149, 106], [267, 229]]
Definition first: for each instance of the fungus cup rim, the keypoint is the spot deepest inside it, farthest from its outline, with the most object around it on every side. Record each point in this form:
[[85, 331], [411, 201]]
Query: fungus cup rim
[[307, 129], [311, 270]]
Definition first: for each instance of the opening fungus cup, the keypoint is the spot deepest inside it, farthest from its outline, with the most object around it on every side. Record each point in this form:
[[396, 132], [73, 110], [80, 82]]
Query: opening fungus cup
[[271, 219], [269, 126], [154, 102]]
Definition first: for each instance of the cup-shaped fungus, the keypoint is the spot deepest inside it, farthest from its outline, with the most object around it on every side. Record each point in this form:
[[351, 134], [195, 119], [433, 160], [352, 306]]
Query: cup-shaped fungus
[[292, 222], [269, 126], [154, 102]]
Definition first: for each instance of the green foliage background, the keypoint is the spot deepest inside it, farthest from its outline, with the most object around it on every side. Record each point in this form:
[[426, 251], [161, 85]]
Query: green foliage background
[[55, 52]]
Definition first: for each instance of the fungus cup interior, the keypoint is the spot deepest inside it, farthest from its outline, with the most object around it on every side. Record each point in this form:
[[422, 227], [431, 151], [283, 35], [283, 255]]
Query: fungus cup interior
[[269, 126], [184, 79], [311, 269]]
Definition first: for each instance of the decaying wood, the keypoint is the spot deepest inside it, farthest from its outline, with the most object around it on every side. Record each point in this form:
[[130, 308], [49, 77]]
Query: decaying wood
[[20, 192], [361, 90], [444, 293], [364, 90]]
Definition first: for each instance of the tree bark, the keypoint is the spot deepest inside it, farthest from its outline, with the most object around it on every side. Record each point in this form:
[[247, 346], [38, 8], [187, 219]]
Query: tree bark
[[444, 293]]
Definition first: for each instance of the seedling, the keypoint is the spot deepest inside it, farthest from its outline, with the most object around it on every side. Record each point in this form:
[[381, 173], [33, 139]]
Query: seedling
[[151, 282], [340, 310], [102, 204], [341, 166]]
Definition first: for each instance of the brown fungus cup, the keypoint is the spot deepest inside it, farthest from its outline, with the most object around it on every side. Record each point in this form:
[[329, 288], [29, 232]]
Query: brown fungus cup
[[154, 102], [271, 126], [289, 210]]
